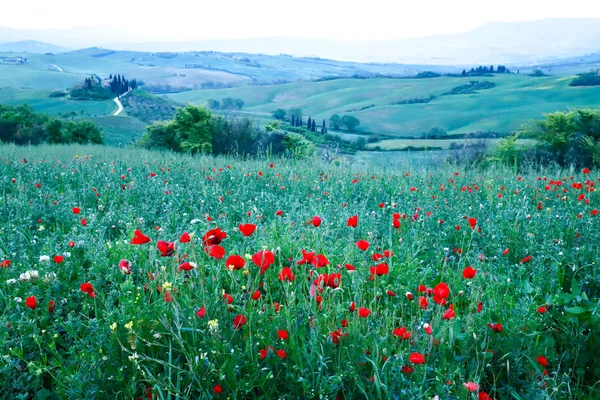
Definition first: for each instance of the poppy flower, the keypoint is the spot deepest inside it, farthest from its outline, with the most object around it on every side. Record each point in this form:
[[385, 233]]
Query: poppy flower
[[495, 327], [187, 266], [256, 295], [364, 312], [543, 361], [185, 238], [542, 309], [213, 236], [471, 386], [320, 261], [483, 396], [76, 210], [58, 259], [428, 329], [472, 223], [279, 212], [479, 306], [585, 170], [409, 295], [31, 302], [4, 263], [352, 306], [526, 259], [307, 257], [263, 259], [239, 321], [139, 238], [247, 229], [469, 273], [417, 358], [83, 221], [362, 245], [125, 267], [201, 312], [353, 221], [166, 248], [228, 298], [217, 389], [390, 293], [440, 293], [316, 221], [407, 370], [449, 314], [282, 334], [505, 252], [216, 251], [402, 333], [263, 353], [88, 288], [380, 269], [350, 268], [51, 306], [234, 262], [281, 353], [286, 274]]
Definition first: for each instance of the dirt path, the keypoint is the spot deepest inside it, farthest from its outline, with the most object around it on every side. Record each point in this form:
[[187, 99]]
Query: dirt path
[[59, 69], [118, 102]]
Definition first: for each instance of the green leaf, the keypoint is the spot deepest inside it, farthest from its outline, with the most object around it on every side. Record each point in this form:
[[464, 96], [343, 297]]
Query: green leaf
[[575, 310]]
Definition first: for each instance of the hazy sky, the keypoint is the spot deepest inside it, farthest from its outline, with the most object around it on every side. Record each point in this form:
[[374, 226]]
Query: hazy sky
[[329, 19]]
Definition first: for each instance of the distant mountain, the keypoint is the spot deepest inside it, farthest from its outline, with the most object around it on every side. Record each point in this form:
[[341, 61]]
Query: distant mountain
[[31, 46], [511, 43]]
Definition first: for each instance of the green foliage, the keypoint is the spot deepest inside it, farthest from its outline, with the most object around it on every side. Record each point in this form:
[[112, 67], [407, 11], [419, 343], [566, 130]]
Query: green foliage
[[471, 87], [92, 89], [568, 137], [298, 146], [229, 103], [349, 122], [295, 112], [213, 104], [160, 135], [587, 79], [148, 107], [193, 127], [335, 121], [279, 114], [21, 125], [435, 133], [508, 152]]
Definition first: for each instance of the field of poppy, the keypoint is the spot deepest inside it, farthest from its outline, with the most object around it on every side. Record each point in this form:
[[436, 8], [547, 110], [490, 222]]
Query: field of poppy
[[132, 274]]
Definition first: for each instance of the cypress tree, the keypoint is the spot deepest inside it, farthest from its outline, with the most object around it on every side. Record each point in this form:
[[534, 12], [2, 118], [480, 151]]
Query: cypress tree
[[314, 126], [308, 124], [293, 121], [323, 128]]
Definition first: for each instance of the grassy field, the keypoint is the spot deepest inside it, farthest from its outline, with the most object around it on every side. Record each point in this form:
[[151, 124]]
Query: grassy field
[[128, 273], [396, 144], [40, 100], [515, 100]]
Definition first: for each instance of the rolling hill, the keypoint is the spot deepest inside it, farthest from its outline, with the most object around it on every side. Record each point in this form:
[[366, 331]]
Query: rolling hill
[[514, 100]]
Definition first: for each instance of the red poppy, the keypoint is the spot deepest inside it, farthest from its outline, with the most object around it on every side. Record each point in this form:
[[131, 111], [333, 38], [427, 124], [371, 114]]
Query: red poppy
[[320, 261], [216, 251], [201, 312], [352, 306], [316, 221], [214, 236], [234, 262], [363, 312], [187, 266], [353, 221], [390, 293], [58, 259], [409, 295], [83, 221], [125, 267], [407, 370], [350, 268], [505, 252], [483, 396], [543, 361], [362, 245], [469, 273], [228, 298], [247, 229], [185, 238], [286, 274], [472, 223], [166, 248], [263, 259], [31, 302], [526, 259], [449, 314], [495, 327], [279, 212], [281, 353], [139, 238], [380, 269], [402, 333], [471, 386], [428, 329], [542, 309], [217, 389], [4, 263], [307, 257], [440, 293], [282, 334], [239, 321], [88, 288], [256, 295], [76, 210], [585, 170], [51, 306], [417, 358]]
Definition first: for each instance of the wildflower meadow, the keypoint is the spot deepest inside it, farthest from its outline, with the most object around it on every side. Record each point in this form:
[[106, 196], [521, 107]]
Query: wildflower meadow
[[130, 274]]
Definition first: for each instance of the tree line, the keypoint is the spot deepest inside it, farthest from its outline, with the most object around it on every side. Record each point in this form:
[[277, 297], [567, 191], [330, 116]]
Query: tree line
[[119, 84], [296, 119], [226, 103], [22, 125]]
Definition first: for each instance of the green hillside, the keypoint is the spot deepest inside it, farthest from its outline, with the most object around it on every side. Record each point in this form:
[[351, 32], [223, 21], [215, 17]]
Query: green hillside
[[514, 100]]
